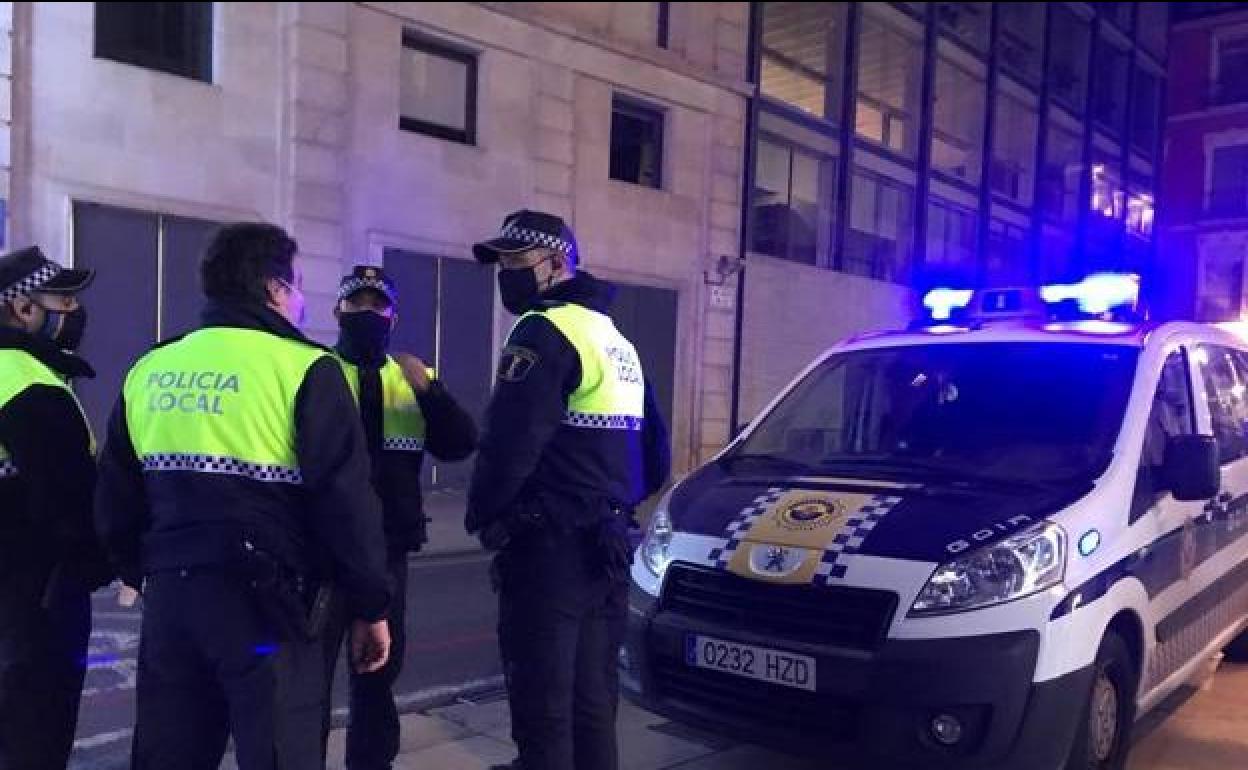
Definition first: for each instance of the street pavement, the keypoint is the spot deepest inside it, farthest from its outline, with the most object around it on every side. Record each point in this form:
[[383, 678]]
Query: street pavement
[[452, 651]]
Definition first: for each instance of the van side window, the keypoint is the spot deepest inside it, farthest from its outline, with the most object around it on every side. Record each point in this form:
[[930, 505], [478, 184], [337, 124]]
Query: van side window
[[1225, 394], [1171, 415]]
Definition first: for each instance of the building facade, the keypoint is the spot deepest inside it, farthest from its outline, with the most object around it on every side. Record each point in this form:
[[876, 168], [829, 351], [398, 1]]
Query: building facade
[[1204, 219], [394, 134], [897, 146]]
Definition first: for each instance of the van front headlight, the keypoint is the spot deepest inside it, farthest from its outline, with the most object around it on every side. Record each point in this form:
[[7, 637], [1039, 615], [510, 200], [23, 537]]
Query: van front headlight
[[1016, 567], [656, 545]]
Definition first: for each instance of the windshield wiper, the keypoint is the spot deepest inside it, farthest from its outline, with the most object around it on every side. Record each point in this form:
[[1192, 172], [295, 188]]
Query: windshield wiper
[[930, 470]]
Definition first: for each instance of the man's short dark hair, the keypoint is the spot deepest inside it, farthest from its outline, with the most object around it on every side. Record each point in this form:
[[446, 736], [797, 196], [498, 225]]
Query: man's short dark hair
[[243, 257]]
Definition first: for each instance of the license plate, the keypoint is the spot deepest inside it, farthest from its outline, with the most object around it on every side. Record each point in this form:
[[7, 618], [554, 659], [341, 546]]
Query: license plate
[[746, 660]]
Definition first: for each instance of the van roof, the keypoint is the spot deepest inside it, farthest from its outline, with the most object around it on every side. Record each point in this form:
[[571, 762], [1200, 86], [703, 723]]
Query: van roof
[[1072, 332]]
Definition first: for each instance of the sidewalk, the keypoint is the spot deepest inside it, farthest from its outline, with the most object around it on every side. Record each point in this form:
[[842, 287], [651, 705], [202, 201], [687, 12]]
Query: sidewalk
[[1203, 728]]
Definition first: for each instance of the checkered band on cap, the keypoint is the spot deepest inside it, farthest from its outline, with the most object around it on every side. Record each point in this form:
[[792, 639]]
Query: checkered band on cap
[[30, 283], [7, 469], [403, 445], [356, 284], [537, 238], [228, 466], [602, 421]]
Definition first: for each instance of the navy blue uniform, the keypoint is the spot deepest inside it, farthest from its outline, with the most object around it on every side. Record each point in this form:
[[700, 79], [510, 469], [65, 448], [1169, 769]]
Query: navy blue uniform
[[560, 493]]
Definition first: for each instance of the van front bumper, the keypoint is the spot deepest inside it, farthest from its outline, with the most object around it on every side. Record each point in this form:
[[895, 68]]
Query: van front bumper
[[871, 709]]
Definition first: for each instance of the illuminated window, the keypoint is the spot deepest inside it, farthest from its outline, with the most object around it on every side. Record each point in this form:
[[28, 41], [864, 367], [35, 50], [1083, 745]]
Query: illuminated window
[[802, 50], [1140, 215], [958, 122], [888, 85]]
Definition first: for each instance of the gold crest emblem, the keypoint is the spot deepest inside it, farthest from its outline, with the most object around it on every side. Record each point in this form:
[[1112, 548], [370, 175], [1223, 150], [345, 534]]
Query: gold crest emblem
[[811, 513]]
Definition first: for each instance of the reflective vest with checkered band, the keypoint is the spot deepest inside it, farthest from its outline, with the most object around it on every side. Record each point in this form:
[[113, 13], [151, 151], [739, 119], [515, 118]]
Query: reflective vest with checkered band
[[402, 422], [20, 370], [219, 401], [612, 393]]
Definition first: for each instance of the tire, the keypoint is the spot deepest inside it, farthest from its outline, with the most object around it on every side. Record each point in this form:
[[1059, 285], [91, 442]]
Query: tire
[[1104, 734], [1237, 650]]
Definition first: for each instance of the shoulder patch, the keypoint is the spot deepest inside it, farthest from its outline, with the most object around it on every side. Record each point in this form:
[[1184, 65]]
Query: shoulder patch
[[516, 363]]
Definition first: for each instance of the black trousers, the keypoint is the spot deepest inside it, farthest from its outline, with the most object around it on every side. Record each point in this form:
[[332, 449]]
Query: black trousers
[[210, 668], [373, 724], [561, 623], [43, 652]]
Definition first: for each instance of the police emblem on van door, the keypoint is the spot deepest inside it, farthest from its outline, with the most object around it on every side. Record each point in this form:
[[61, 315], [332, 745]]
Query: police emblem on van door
[[776, 560]]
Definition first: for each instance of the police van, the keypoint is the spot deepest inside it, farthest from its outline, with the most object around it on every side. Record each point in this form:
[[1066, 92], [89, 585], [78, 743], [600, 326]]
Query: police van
[[992, 540]]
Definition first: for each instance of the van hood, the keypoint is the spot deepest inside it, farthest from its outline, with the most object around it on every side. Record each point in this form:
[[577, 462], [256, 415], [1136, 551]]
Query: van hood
[[925, 522]]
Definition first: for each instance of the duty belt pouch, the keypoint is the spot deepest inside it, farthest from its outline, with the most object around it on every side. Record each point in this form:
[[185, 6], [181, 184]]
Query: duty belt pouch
[[295, 608]]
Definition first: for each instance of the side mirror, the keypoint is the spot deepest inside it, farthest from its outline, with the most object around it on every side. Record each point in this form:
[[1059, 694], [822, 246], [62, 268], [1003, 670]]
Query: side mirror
[[1192, 471]]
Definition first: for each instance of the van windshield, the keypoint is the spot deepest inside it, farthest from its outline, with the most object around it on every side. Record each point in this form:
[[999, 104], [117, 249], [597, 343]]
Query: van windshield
[[1029, 412]]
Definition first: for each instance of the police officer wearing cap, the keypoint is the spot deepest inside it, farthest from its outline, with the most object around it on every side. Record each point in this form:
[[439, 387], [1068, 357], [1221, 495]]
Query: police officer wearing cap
[[234, 486], [406, 411], [50, 560], [572, 441]]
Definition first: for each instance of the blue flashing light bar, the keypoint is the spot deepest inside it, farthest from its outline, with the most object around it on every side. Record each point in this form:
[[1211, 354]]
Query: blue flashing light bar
[[1097, 294], [942, 302]]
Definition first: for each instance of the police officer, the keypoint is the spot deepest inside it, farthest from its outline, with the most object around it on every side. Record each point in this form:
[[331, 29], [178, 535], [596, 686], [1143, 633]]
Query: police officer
[[50, 560], [572, 441], [234, 482], [405, 411]]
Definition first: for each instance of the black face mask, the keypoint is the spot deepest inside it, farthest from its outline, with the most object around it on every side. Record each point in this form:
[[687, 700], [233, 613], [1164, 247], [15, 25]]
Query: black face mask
[[364, 337], [65, 329], [519, 289]]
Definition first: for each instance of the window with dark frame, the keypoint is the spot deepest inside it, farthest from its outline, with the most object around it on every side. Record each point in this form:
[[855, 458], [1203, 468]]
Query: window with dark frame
[[636, 143], [175, 38], [437, 90]]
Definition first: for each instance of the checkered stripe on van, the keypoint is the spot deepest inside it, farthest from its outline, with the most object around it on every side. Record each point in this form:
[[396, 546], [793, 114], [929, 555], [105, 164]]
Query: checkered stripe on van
[[740, 526], [851, 537]]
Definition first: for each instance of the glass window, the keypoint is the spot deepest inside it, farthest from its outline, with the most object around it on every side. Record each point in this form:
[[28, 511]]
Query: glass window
[[1109, 88], [802, 51], [1140, 212], [636, 143], [169, 37], [951, 243], [1060, 177], [1070, 41], [1021, 50], [1007, 262], [1014, 149], [1029, 411], [1057, 255], [958, 122], [1228, 176], [791, 209], [1230, 86], [1117, 13], [1221, 289], [888, 86], [1107, 193], [1145, 112], [1152, 27], [1225, 395], [968, 22], [877, 242], [1171, 416], [437, 90]]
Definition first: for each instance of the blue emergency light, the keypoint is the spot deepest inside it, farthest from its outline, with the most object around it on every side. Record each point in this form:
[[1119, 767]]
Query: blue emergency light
[[1097, 294], [942, 302]]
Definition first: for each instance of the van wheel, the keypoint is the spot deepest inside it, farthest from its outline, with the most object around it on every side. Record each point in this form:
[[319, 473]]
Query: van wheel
[[1104, 734]]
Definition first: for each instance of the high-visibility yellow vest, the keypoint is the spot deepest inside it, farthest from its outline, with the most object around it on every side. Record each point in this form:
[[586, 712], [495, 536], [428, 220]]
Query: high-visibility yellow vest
[[20, 370], [611, 394], [403, 423], [220, 400]]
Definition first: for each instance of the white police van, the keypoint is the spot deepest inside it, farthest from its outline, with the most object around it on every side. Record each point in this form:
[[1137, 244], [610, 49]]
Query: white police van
[[994, 540]]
